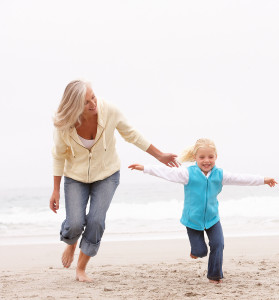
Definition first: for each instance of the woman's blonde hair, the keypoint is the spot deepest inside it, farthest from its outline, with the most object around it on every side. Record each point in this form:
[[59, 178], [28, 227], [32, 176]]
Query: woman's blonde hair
[[71, 105], [189, 154]]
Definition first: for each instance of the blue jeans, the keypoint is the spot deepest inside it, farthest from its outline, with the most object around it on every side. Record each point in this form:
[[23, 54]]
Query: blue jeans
[[92, 224], [216, 244]]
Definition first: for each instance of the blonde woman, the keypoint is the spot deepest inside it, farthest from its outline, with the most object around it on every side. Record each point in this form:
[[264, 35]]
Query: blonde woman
[[202, 183], [84, 152]]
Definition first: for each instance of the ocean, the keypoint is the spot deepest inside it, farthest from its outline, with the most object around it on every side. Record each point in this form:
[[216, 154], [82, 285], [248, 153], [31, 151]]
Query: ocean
[[139, 211]]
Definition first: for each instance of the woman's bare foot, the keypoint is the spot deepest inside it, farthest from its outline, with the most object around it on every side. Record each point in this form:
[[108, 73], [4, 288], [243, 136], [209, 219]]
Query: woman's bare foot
[[82, 276], [68, 255], [83, 260], [193, 256], [215, 281]]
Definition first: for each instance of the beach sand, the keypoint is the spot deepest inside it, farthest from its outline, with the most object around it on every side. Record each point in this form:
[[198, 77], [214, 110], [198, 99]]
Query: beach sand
[[160, 269]]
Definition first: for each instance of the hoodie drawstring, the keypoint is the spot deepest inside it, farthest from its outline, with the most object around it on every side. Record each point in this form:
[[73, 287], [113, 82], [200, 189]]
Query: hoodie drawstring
[[73, 152], [104, 140]]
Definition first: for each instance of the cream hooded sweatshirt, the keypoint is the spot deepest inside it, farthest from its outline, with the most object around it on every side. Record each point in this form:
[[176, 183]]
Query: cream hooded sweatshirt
[[72, 159]]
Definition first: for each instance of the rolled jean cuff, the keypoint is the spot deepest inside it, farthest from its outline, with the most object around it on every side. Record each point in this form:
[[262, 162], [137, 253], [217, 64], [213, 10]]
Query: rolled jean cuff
[[88, 248], [69, 241]]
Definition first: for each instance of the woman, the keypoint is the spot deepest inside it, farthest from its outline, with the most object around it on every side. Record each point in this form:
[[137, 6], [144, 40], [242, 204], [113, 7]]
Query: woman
[[84, 152]]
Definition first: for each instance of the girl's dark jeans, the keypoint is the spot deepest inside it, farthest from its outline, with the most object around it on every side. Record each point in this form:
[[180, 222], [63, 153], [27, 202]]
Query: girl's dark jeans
[[216, 245]]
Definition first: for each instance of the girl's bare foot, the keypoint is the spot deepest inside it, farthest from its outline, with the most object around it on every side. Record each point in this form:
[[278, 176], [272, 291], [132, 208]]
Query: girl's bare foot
[[193, 256], [82, 276], [68, 255], [215, 281]]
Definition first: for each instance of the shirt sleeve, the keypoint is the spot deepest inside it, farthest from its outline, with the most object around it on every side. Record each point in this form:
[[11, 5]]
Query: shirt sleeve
[[178, 175], [129, 133], [59, 152], [241, 179]]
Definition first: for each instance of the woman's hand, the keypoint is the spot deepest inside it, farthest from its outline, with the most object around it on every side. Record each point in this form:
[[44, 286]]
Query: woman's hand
[[169, 159], [270, 181], [136, 167], [54, 201]]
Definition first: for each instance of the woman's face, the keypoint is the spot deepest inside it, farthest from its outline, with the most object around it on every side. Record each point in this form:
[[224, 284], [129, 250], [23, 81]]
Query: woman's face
[[205, 158], [90, 104]]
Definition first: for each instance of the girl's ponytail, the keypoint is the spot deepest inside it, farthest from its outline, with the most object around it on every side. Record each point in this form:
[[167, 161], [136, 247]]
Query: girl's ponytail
[[187, 155]]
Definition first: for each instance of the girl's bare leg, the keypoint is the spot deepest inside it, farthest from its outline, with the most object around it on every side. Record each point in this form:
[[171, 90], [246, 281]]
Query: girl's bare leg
[[68, 255], [81, 266]]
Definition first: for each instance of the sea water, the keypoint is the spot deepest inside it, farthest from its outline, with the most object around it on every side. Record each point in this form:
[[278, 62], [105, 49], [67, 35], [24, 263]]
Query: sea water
[[139, 211]]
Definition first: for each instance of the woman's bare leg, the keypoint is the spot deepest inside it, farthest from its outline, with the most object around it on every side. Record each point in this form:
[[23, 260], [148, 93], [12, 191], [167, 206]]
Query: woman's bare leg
[[68, 255], [81, 266]]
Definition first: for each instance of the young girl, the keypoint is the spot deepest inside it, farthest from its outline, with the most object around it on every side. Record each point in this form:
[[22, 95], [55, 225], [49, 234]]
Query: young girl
[[202, 183]]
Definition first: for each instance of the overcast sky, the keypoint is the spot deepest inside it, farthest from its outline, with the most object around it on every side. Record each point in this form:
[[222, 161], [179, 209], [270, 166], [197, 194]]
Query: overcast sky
[[179, 70]]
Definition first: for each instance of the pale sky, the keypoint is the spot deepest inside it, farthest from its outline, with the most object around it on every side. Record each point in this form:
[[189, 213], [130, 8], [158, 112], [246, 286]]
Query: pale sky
[[179, 71]]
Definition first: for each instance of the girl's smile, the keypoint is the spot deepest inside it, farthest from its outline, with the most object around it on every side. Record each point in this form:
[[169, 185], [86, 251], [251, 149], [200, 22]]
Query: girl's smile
[[205, 158]]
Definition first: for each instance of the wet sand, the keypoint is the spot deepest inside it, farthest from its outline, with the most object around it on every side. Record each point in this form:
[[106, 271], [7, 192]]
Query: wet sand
[[158, 269]]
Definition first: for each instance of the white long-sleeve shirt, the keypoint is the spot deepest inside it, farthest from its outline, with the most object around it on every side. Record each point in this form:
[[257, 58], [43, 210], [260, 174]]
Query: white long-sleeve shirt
[[181, 175]]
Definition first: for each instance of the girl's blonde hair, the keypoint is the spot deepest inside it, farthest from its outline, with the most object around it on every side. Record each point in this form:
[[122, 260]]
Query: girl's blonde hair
[[189, 154], [71, 105]]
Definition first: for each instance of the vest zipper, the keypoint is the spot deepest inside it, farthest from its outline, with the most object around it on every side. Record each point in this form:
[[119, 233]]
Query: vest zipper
[[205, 201]]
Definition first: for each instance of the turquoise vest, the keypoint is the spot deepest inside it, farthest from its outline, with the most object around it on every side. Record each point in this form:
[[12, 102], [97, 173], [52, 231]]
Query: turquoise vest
[[200, 198]]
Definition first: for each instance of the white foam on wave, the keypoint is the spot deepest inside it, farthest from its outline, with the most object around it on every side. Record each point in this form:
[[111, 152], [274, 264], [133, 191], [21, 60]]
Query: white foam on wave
[[250, 207], [136, 220], [146, 211]]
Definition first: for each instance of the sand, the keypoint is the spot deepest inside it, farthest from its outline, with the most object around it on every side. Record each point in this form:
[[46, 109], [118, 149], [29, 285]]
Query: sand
[[159, 269]]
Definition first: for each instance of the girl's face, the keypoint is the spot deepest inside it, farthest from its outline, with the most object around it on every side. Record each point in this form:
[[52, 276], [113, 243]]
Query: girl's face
[[90, 104], [205, 158]]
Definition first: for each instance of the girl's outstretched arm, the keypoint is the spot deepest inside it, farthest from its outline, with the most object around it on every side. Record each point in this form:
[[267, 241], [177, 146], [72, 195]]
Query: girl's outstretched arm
[[246, 179], [270, 181], [178, 175], [136, 167]]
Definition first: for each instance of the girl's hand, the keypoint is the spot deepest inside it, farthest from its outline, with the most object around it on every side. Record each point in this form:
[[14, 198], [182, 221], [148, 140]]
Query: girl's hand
[[136, 167], [54, 201], [270, 181]]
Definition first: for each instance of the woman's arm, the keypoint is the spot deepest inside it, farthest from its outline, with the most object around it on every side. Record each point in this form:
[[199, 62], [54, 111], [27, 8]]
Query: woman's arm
[[58, 154], [54, 199], [131, 135], [168, 159]]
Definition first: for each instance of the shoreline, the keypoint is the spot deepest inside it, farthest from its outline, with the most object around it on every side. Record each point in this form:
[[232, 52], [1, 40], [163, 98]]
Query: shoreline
[[134, 252], [152, 269], [114, 238]]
